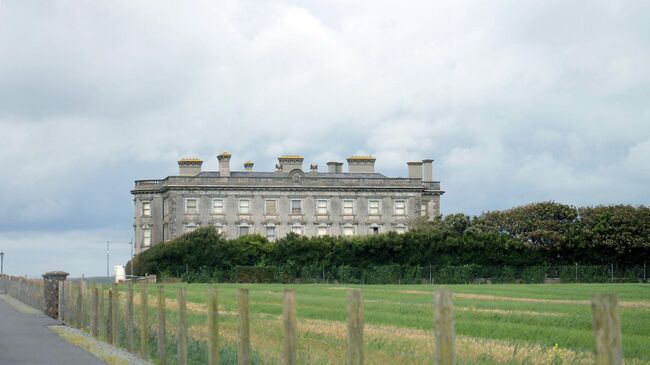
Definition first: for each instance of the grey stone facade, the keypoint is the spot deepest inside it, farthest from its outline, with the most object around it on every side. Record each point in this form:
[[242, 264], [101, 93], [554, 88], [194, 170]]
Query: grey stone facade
[[272, 204]]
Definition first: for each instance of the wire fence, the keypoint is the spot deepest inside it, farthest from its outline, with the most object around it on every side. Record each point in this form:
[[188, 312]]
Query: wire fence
[[28, 291], [397, 274], [158, 330]]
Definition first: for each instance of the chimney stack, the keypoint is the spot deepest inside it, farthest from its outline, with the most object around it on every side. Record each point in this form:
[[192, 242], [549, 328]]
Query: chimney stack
[[415, 170], [361, 164], [224, 164], [248, 165], [290, 162], [189, 166], [334, 167], [427, 170]]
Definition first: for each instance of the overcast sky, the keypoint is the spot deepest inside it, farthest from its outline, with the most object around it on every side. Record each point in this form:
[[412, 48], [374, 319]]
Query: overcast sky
[[517, 101]]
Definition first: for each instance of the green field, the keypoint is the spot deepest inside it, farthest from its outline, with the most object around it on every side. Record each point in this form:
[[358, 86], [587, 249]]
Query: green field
[[495, 324]]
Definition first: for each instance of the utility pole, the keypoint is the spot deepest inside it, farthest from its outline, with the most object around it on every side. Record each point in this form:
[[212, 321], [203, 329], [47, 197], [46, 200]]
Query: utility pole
[[2, 263], [108, 254]]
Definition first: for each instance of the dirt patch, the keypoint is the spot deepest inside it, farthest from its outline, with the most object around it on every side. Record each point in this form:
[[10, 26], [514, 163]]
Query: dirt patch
[[418, 292], [339, 288], [172, 304], [625, 304], [508, 312]]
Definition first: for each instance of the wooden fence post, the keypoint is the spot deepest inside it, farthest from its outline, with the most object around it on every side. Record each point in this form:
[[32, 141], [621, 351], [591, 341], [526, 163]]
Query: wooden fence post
[[61, 301], [115, 316], [243, 329], [213, 327], [144, 322], [101, 314], [182, 327], [162, 341], [94, 321], [70, 303], [355, 328], [607, 330], [289, 322], [443, 327], [129, 318], [79, 306], [86, 292], [109, 314]]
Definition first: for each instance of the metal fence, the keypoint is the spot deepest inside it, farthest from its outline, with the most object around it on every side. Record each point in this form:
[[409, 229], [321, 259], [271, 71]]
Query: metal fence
[[28, 291], [397, 274]]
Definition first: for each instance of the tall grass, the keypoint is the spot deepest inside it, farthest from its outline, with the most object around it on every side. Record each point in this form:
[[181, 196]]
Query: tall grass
[[496, 324]]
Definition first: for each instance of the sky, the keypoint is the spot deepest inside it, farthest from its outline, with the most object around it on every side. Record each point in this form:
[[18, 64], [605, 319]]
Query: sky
[[516, 101]]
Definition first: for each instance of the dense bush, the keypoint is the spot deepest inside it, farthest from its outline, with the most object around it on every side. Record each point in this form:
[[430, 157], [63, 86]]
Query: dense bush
[[585, 274], [254, 274], [384, 274], [522, 243], [534, 274]]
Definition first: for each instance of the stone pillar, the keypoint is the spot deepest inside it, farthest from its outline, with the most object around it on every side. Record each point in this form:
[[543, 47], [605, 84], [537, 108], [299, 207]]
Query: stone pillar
[[51, 292]]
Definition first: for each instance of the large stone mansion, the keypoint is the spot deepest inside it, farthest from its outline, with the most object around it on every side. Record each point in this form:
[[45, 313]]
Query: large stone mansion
[[289, 199]]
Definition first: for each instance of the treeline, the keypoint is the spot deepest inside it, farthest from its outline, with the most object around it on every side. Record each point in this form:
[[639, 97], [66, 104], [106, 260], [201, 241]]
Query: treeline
[[537, 235]]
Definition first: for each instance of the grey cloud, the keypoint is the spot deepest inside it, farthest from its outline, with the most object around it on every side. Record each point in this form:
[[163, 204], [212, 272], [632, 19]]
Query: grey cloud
[[516, 101]]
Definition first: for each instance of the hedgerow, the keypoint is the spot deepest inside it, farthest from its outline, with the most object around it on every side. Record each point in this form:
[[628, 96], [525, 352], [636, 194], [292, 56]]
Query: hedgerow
[[522, 244]]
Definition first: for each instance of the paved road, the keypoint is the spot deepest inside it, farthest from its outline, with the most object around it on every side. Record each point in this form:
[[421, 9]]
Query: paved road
[[25, 339]]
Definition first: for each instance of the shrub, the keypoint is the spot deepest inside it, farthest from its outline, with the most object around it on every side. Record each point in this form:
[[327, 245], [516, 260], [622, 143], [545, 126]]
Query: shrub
[[507, 275], [534, 274], [349, 275], [456, 274], [496, 246], [414, 275], [254, 274], [312, 273], [384, 274]]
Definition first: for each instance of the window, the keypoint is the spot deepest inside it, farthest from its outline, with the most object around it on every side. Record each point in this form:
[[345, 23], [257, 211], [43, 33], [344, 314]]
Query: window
[[423, 209], [146, 209], [296, 206], [217, 206], [297, 230], [321, 207], [400, 229], [190, 227], [348, 207], [348, 230], [373, 230], [244, 206], [244, 230], [321, 231], [400, 207], [191, 206], [219, 227], [270, 233], [271, 207], [373, 207], [146, 237]]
